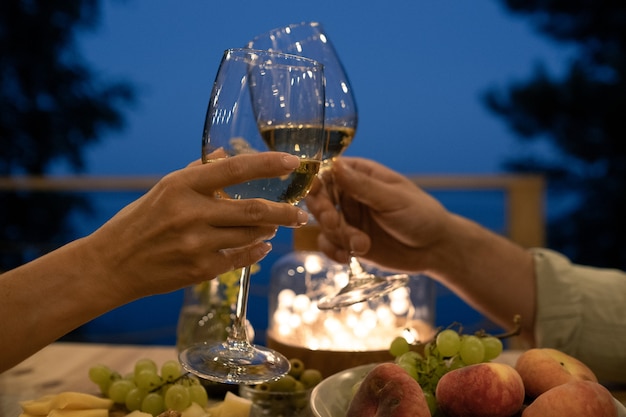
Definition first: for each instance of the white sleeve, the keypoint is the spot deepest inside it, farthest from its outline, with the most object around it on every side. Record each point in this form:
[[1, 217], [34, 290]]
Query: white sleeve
[[582, 311]]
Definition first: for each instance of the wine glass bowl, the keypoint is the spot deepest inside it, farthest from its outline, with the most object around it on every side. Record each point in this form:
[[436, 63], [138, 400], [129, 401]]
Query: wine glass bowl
[[261, 101]]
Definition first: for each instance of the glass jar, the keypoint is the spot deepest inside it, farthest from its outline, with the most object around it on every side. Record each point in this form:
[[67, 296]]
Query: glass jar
[[333, 340], [277, 404]]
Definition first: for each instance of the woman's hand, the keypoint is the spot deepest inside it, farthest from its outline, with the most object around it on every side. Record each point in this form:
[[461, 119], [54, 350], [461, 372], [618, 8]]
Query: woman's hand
[[180, 233]]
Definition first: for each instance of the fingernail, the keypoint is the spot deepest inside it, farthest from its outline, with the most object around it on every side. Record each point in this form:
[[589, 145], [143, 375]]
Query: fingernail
[[261, 251], [303, 217], [266, 248], [357, 246], [291, 161]]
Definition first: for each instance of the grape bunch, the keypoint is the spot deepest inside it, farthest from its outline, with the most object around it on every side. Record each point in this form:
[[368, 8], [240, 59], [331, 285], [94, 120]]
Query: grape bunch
[[150, 389], [449, 350]]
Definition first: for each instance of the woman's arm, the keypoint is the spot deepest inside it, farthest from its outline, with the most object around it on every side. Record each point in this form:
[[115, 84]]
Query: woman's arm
[[176, 235]]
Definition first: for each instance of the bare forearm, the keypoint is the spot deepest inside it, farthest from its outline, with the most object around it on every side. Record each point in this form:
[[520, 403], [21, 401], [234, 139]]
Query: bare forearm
[[491, 273], [45, 299]]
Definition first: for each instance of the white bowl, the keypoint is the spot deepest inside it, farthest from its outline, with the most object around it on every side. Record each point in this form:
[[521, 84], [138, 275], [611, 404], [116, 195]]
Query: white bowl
[[330, 398]]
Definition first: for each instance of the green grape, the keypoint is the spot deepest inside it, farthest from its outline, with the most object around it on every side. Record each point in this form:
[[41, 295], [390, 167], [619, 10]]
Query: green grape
[[148, 380], [493, 347], [100, 374], [119, 389], [431, 400], [399, 346], [164, 388], [153, 404], [430, 350], [171, 370], [409, 362], [455, 363], [103, 376], [472, 350], [311, 377], [410, 357], [188, 380], [145, 363], [410, 368], [177, 398], [198, 395], [448, 342], [134, 398]]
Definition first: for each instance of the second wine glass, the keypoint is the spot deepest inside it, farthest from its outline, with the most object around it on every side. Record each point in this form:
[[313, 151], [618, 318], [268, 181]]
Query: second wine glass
[[261, 101], [309, 39]]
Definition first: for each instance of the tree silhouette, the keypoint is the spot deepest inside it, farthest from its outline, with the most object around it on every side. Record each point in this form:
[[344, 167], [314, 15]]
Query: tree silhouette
[[583, 116], [51, 107]]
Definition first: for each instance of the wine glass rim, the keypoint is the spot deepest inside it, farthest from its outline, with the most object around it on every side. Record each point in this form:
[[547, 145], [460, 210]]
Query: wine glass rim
[[263, 52], [304, 23], [311, 23]]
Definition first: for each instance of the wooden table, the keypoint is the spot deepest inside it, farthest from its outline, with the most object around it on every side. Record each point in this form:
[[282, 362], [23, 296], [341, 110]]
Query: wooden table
[[64, 367]]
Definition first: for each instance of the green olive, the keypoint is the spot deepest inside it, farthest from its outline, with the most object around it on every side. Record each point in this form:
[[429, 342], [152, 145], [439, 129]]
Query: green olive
[[263, 387], [299, 387], [283, 384], [310, 377], [297, 366]]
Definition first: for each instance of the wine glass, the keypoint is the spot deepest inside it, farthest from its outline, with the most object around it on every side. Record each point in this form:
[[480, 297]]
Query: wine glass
[[261, 101], [310, 40]]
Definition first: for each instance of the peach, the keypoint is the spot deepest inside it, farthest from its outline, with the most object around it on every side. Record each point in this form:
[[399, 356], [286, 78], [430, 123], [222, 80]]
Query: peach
[[388, 391], [573, 399], [543, 368], [481, 390]]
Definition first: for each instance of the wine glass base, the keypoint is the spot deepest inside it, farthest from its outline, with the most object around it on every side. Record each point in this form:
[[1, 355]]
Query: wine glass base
[[362, 289], [245, 364]]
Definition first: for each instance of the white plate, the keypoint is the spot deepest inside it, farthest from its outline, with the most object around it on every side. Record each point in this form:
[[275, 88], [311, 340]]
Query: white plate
[[330, 397]]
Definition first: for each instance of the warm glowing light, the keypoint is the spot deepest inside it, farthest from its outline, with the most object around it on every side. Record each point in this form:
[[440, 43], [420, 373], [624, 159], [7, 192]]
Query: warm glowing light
[[366, 326], [313, 264], [301, 303], [341, 279], [286, 297]]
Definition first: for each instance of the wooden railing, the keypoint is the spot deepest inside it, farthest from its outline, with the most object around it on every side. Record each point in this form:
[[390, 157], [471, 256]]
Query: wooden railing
[[78, 183], [524, 201], [524, 194]]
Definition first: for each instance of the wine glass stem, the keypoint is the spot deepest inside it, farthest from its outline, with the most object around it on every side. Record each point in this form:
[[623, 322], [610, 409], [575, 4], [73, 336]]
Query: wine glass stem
[[355, 268], [238, 331]]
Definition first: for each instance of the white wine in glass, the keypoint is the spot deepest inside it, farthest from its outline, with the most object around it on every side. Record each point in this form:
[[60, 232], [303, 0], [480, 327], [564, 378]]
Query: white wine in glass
[[309, 39], [261, 101]]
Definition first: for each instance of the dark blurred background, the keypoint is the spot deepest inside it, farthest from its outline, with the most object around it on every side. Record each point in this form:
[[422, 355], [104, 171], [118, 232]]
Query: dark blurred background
[[490, 87]]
